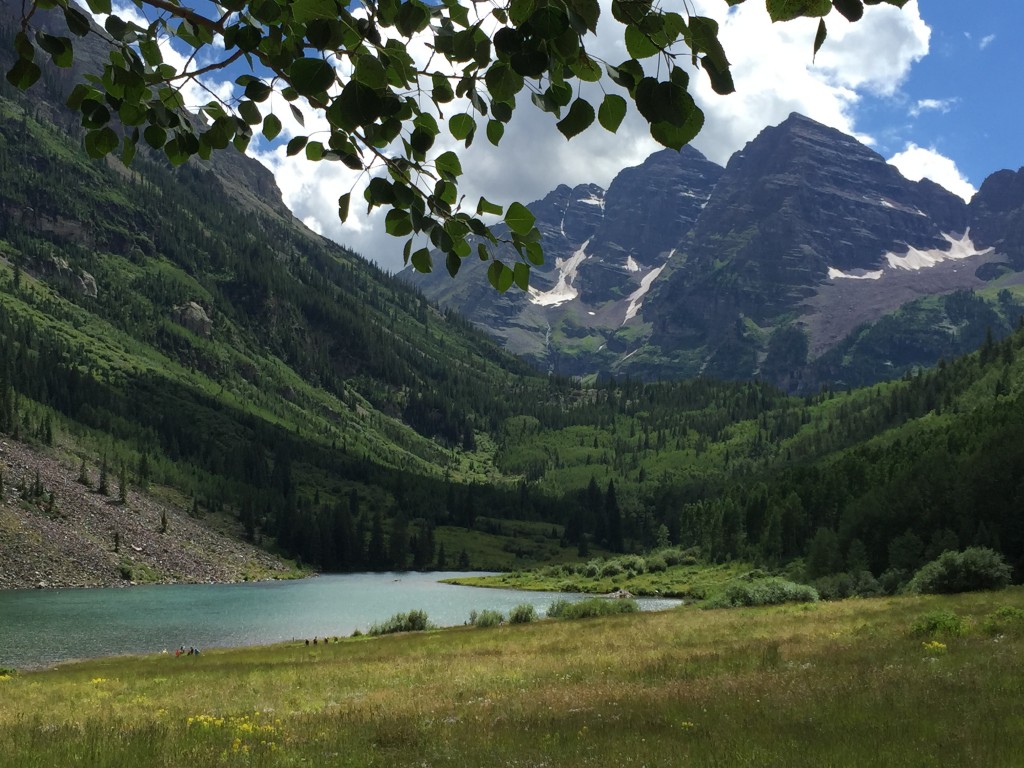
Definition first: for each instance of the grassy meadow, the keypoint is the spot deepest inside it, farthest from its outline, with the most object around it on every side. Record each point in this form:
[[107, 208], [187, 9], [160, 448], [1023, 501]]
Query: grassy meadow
[[923, 681]]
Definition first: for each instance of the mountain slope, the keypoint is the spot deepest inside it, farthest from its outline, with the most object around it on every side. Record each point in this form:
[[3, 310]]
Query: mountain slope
[[807, 262]]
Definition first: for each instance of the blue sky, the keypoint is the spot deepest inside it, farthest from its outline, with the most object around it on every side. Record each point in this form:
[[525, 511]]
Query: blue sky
[[964, 98]]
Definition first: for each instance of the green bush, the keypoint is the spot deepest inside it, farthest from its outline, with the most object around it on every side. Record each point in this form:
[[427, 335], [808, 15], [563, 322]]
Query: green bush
[[838, 586], [611, 568], [595, 606], [940, 623], [973, 569], [413, 621], [772, 591], [522, 614], [486, 618], [1004, 621], [656, 564], [634, 563]]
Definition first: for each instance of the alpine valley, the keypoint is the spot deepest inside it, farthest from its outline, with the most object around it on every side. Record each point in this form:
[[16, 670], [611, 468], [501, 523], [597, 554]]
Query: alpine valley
[[807, 262], [190, 378]]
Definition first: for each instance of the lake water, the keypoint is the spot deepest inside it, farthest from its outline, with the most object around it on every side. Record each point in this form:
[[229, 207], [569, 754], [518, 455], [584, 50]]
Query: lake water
[[44, 627]]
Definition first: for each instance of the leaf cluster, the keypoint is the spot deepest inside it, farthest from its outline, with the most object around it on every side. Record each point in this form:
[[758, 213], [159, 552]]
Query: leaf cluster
[[388, 113]]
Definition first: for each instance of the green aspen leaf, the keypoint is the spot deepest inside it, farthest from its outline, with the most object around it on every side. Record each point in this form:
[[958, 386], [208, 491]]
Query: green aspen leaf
[[314, 151], [249, 112], [77, 22], [853, 10], [421, 261], [787, 10], [101, 142], [412, 17], [820, 35], [271, 127], [503, 83], [99, 6], [589, 11], [483, 252], [370, 72], [579, 118], [155, 136], [678, 136], [520, 10], [585, 68], [521, 275], [448, 166], [460, 126], [721, 79], [307, 10], [398, 223], [59, 48], [500, 276], [343, 205], [535, 254], [311, 77], [379, 192], [241, 141], [703, 38], [150, 50], [486, 206], [639, 44], [611, 112], [257, 90], [296, 145], [452, 262], [519, 219], [495, 130], [421, 140], [23, 74]]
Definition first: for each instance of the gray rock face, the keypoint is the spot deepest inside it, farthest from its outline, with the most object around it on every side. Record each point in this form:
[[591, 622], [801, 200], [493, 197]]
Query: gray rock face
[[683, 268], [193, 317]]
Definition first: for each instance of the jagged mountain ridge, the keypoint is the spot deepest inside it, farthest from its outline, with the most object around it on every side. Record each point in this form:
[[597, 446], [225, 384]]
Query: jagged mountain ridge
[[763, 269]]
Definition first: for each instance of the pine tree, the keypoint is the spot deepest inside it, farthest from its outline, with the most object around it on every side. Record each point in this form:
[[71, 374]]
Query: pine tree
[[103, 488], [83, 475], [122, 484]]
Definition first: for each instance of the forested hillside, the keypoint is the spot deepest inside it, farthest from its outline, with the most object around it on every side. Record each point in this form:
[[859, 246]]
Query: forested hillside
[[177, 329]]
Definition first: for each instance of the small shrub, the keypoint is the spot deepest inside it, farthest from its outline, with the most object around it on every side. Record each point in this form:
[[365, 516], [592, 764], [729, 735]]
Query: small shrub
[[596, 606], [634, 563], [973, 569], [939, 624], [656, 564], [1004, 621], [413, 621], [772, 591], [839, 586], [592, 569], [611, 568], [488, 619], [522, 614]]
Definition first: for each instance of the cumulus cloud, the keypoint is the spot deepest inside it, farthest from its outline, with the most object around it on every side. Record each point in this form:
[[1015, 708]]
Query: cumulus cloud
[[932, 105], [918, 163], [773, 68]]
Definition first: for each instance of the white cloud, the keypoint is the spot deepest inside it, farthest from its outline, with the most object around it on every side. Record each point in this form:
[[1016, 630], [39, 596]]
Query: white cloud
[[918, 163], [932, 105], [986, 41], [773, 68]]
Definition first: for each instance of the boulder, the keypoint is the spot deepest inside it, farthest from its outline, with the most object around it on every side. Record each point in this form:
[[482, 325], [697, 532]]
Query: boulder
[[193, 317]]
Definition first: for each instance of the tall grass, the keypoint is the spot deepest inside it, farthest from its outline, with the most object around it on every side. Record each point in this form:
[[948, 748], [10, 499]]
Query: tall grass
[[836, 684]]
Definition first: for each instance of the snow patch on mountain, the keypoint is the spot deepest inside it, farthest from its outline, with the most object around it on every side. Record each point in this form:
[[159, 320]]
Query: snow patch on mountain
[[857, 274], [916, 258], [563, 290], [631, 265], [636, 297], [594, 200]]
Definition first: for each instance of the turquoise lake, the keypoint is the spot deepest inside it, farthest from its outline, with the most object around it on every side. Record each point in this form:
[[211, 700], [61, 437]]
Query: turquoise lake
[[44, 627]]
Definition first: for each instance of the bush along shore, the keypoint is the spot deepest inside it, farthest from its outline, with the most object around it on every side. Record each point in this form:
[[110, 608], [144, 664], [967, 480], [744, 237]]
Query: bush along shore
[[892, 681]]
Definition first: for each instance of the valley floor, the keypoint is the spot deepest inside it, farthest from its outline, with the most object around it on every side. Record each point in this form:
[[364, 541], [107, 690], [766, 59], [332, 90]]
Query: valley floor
[[922, 681]]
